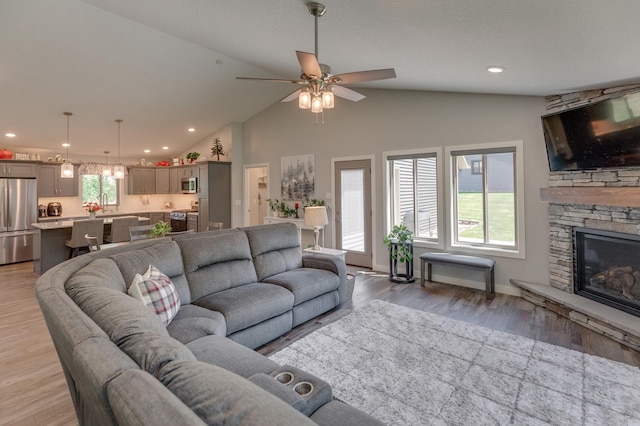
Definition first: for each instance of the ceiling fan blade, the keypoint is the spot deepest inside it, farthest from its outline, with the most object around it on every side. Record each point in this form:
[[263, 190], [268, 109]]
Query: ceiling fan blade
[[309, 64], [348, 94], [292, 96], [276, 80], [360, 76]]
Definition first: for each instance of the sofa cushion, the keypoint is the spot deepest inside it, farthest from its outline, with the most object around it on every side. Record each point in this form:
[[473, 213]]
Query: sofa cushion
[[95, 362], [130, 325], [275, 248], [156, 291], [158, 406], [231, 356], [249, 304], [305, 283], [152, 352], [98, 273], [166, 256], [194, 322], [114, 311], [220, 397], [217, 262]]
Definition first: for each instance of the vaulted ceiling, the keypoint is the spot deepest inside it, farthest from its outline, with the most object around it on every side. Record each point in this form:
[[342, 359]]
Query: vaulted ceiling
[[166, 65]]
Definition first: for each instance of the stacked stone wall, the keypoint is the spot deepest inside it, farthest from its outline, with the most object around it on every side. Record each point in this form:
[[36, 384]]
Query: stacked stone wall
[[564, 217]]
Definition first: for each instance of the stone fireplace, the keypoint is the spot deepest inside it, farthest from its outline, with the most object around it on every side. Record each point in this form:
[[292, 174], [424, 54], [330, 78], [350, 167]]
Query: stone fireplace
[[603, 201]]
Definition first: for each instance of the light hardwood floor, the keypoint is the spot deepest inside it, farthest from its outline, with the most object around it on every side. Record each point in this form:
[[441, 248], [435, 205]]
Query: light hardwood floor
[[33, 390]]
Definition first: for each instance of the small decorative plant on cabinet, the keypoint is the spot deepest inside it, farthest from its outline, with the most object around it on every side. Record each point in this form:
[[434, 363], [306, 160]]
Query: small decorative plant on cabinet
[[400, 244], [193, 156], [217, 148]]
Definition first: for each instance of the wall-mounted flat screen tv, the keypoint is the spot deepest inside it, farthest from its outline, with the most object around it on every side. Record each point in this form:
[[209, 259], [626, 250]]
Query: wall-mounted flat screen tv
[[603, 134]]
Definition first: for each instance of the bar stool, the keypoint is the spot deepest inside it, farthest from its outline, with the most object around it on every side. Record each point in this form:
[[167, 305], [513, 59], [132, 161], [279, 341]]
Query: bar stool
[[140, 232], [120, 229], [93, 227], [214, 225], [92, 242]]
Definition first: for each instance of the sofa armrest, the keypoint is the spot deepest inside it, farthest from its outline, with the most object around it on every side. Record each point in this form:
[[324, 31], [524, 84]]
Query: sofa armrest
[[331, 264]]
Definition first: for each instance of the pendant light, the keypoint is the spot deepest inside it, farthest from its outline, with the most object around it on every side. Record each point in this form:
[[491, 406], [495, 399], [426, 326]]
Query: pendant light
[[66, 169], [118, 168], [106, 170]]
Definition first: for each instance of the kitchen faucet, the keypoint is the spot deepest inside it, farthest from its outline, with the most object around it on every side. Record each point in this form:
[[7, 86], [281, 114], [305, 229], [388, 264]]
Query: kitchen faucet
[[104, 200]]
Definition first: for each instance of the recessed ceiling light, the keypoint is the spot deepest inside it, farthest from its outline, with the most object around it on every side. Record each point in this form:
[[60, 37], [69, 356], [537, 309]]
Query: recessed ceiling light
[[165, 147], [146, 151], [10, 135], [219, 61], [495, 69], [66, 144], [191, 129]]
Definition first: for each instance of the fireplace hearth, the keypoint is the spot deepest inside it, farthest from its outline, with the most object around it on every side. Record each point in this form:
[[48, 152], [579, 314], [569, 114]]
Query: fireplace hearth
[[607, 268]]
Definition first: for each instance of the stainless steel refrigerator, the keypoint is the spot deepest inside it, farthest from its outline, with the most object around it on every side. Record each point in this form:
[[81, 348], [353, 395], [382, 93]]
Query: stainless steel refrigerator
[[18, 210]]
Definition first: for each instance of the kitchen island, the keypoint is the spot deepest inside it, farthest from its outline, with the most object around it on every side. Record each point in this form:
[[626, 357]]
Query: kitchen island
[[48, 242]]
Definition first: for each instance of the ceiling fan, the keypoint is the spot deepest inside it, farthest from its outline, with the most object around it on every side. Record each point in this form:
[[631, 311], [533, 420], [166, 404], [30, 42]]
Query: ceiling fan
[[319, 85]]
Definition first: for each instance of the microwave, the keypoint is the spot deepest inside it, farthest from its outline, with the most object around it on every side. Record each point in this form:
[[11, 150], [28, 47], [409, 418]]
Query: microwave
[[189, 185]]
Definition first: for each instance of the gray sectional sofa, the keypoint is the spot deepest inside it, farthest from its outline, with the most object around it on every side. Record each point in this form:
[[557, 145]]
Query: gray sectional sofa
[[238, 289]]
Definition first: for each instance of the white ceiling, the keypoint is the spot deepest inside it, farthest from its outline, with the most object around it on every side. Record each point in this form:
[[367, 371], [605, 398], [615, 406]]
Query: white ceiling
[[156, 63]]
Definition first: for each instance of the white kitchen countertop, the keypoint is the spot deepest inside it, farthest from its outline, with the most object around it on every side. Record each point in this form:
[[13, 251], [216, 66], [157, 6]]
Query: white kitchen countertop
[[69, 223]]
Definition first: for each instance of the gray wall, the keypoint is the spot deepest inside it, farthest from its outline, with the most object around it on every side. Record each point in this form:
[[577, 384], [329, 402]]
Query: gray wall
[[389, 120]]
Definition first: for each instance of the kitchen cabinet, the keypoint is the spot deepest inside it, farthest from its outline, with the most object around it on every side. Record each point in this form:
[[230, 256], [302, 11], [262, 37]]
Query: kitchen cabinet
[[18, 169], [163, 181], [191, 171], [155, 217], [50, 184], [175, 174], [142, 180], [192, 222]]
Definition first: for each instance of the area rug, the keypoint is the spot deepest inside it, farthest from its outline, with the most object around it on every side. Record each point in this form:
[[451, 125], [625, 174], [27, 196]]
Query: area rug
[[408, 367]]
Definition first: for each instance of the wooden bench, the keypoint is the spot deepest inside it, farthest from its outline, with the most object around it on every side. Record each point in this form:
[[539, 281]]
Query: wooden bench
[[472, 262]]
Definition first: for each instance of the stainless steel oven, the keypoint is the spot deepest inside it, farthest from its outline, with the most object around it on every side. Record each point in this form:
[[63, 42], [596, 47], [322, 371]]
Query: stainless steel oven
[[189, 185], [178, 220]]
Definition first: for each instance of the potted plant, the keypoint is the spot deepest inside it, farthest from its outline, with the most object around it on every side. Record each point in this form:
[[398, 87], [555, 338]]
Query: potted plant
[[193, 156], [274, 205], [286, 211], [400, 244], [160, 229], [217, 148], [92, 208]]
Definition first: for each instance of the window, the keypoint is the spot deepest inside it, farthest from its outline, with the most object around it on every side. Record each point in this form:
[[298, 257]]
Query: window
[[476, 167], [485, 197], [413, 198], [94, 186]]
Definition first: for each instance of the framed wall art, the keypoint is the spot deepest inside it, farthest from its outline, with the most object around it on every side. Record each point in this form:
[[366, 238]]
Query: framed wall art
[[297, 177]]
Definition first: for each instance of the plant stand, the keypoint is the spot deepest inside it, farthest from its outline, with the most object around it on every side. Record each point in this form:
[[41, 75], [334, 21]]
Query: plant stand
[[393, 265]]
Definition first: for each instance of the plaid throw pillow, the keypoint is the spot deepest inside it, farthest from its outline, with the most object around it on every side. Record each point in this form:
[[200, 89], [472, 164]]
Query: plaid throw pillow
[[157, 291]]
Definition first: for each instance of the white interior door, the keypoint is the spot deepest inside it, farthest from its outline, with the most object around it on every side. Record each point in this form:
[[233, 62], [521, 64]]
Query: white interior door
[[256, 192], [353, 211]]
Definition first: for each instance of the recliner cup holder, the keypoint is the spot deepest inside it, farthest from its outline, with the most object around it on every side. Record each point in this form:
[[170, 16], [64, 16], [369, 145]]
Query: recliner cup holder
[[285, 377], [303, 388]]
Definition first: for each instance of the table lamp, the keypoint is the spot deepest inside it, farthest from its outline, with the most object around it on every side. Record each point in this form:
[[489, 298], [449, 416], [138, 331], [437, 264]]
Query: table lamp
[[316, 216]]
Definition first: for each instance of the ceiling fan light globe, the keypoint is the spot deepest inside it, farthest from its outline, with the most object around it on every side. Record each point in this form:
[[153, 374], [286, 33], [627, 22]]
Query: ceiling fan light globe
[[327, 99], [316, 104], [304, 100]]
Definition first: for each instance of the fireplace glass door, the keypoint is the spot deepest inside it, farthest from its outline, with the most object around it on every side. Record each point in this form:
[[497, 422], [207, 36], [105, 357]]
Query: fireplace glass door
[[607, 268]]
